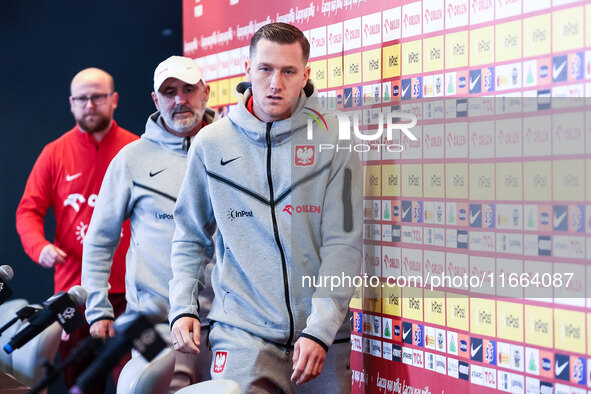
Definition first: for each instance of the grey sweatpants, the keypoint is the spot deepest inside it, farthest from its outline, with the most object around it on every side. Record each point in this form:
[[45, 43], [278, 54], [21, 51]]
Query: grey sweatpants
[[259, 366]]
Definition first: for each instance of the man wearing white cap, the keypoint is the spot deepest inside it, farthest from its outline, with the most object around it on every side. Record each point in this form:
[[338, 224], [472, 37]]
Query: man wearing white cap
[[142, 184]]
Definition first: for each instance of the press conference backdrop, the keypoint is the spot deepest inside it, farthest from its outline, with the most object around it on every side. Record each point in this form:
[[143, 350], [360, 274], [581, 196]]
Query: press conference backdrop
[[497, 187]]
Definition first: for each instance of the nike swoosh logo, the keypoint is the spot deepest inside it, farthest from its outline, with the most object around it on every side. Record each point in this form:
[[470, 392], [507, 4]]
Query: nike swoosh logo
[[474, 217], [405, 212], [473, 82], [156, 173], [556, 71], [474, 351], [405, 90], [405, 333], [70, 178], [348, 97], [559, 369], [558, 220], [222, 162]]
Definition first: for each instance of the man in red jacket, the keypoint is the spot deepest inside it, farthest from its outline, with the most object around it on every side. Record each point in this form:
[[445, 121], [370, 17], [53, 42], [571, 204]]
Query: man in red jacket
[[68, 176]]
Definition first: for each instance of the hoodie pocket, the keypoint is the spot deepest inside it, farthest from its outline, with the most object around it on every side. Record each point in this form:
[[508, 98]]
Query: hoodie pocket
[[240, 309]]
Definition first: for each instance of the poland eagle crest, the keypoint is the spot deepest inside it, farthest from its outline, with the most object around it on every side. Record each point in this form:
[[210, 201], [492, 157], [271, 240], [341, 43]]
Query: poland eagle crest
[[304, 155], [219, 362]]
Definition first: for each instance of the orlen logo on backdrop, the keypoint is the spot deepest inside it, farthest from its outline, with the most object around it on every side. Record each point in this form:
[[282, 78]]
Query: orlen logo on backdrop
[[433, 16], [433, 141], [537, 136], [411, 265], [370, 30], [411, 20], [391, 262], [434, 268], [568, 134], [507, 2], [318, 42], [481, 5], [456, 13], [352, 34], [457, 9], [390, 25], [455, 270], [481, 140], [455, 141], [335, 39], [508, 137]]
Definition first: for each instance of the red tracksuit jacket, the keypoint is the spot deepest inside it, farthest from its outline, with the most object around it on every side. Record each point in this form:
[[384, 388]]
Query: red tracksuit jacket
[[68, 176]]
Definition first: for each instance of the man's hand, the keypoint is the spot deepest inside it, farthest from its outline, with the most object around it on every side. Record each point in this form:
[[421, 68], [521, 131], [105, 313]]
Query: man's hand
[[308, 360], [186, 333], [51, 255], [102, 329]]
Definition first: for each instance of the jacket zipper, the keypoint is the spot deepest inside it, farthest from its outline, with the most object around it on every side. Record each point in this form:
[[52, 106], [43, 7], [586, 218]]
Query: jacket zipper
[[277, 240]]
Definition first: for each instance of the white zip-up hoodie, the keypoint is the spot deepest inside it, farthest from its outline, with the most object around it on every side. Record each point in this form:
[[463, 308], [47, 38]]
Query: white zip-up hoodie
[[284, 211], [141, 184]]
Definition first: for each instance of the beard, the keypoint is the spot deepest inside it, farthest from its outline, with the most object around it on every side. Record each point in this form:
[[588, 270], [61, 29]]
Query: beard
[[181, 125], [100, 124]]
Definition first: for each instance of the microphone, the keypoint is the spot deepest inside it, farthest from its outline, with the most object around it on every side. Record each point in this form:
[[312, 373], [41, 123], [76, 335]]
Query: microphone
[[6, 274], [60, 307], [24, 313], [133, 330]]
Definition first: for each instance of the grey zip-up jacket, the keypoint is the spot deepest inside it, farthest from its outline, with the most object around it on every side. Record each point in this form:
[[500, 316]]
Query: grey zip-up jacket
[[284, 211], [141, 184]]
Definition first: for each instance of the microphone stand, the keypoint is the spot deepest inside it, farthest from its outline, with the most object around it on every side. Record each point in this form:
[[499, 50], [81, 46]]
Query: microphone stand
[[85, 350], [22, 314]]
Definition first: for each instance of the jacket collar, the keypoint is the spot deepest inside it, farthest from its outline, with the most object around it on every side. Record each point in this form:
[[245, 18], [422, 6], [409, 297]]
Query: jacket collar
[[256, 129], [156, 132]]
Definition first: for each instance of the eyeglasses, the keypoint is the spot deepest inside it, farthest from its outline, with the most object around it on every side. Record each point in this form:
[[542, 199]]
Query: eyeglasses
[[97, 99]]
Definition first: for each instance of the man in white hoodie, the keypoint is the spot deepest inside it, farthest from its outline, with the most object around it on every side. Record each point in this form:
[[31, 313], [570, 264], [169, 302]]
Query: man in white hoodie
[[284, 211], [142, 184]]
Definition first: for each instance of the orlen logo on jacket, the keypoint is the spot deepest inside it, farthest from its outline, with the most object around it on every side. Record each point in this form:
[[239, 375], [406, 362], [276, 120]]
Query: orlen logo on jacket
[[76, 199], [290, 209]]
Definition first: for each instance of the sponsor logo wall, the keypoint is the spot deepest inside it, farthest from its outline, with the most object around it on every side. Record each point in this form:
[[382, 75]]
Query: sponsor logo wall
[[497, 186]]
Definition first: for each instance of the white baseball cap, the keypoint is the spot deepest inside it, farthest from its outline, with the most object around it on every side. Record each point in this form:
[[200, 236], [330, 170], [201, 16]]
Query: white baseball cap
[[178, 67]]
